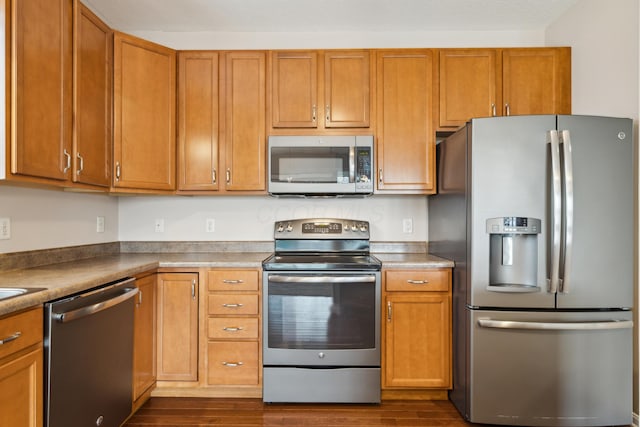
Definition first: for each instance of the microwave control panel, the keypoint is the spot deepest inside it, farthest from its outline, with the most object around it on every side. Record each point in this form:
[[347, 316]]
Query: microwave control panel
[[364, 170]]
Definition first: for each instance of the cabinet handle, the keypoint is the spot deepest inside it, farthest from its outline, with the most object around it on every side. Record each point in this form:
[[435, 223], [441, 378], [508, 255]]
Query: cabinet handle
[[68, 156], [507, 109], [493, 110], [81, 161], [117, 171], [233, 328], [380, 176], [214, 176], [389, 311], [328, 113], [193, 289], [233, 281], [139, 297], [314, 112], [417, 282], [228, 176], [233, 305], [232, 364], [10, 338]]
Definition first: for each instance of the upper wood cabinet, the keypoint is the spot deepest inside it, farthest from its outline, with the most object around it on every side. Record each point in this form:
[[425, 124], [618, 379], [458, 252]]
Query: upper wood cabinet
[[144, 115], [495, 82], [405, 135], [40, 122], [198, 121], [93, 72], [243, 130], [321, 89]]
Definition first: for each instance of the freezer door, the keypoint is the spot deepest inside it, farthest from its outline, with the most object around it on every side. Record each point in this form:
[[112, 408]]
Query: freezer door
[[509, 162], [598, 269], [551, 369]]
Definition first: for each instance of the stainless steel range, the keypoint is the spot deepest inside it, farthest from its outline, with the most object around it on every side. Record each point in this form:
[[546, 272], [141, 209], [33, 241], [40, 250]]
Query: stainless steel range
[[321, 313]]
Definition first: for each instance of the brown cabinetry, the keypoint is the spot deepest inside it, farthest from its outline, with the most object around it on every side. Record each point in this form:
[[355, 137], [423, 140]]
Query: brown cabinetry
[[233, 330], [144, 336], [417, 330], [40, 119], [21, 369], [405, 135], [144, 115], [93, 71], [502, 82], [177, 328], [336, 95]]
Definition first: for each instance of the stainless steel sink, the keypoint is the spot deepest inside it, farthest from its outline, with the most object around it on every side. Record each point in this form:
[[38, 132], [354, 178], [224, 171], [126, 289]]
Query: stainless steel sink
[[10, 292]]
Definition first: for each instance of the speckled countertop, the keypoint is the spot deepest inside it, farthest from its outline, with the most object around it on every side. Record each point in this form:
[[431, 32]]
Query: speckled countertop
[[66, 278]]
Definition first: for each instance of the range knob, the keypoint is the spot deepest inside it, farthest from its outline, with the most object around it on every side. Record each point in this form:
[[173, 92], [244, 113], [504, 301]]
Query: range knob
[[280, 228], [363, 227], [289, 228], [353, 227]]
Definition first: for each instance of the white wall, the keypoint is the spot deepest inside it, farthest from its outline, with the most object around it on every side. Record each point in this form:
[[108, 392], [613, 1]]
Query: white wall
[[42, 219]]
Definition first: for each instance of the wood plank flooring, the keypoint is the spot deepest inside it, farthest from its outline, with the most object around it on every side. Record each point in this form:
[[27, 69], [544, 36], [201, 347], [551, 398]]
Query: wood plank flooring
[[165, 411]]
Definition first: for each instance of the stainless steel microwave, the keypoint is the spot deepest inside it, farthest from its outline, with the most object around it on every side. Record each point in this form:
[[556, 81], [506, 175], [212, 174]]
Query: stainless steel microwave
[[321, 165]]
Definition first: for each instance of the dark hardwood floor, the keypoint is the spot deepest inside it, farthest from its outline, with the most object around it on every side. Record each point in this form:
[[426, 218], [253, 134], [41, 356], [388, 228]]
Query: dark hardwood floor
[[163, 411]]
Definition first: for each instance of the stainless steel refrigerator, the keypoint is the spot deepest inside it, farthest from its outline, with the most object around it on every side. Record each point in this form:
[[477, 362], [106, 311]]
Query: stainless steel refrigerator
[[538, 214]]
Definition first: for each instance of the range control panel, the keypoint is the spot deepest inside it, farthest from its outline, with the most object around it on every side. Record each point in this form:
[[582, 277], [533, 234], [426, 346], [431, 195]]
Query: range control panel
[[322, 228]]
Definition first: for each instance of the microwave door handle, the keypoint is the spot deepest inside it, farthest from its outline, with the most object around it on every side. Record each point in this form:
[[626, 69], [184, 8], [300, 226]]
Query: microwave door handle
[[352, 164]]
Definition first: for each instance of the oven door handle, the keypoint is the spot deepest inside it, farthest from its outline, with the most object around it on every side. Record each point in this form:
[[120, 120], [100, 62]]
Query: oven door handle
[[278, 278]]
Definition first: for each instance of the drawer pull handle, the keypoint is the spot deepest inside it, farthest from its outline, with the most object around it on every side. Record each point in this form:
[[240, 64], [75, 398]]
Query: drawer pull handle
[[233, 305], [232, 281], [417, 282], [233, 328], [10, 338], [232, 364]]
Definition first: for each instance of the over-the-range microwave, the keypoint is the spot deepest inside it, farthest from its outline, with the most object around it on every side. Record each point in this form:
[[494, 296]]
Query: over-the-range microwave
[[321, 165]]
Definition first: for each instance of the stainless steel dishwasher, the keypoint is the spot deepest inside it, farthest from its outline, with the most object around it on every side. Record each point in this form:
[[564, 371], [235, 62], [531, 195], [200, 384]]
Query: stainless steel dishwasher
[[89, 357]]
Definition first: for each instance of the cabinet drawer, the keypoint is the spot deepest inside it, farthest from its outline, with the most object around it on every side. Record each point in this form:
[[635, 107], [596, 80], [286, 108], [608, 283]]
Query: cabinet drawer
[[233, 280], [233, 363], [19, 331], [221, 304], [418, 280], [233, 328]]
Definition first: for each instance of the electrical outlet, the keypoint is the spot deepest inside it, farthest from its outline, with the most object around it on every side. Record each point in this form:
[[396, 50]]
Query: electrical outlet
[[407, 225], [159, 226], [100, 224], [5, 228], [211, 225]]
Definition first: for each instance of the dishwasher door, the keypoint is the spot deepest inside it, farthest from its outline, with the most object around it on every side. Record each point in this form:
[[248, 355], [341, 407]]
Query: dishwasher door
[[89, 357]]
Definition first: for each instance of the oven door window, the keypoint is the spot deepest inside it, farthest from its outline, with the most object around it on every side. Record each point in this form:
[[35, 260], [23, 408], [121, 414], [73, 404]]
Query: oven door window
[[321, 312], [311, 165]]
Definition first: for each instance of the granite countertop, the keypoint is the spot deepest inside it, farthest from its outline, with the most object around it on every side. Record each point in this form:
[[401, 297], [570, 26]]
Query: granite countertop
[[66, 278]]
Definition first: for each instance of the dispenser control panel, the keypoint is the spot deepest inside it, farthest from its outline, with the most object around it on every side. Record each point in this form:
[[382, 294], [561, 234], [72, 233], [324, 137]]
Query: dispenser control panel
[[513, 225]]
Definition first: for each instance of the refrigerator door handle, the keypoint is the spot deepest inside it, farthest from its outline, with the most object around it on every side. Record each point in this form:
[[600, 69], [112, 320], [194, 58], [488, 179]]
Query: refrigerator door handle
[[553, 326], [556, 214], [567, 250]]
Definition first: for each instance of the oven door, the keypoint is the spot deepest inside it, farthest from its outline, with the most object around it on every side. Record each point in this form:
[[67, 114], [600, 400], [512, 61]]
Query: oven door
[[321, 319]]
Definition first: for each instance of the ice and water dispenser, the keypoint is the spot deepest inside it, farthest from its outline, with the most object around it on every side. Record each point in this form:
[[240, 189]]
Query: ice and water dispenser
[[513, 252]]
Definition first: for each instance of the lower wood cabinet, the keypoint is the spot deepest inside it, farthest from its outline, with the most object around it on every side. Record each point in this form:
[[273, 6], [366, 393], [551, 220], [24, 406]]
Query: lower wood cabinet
[[177, 332], [144, 339], [416, 333], [233, 331], [21, 369]]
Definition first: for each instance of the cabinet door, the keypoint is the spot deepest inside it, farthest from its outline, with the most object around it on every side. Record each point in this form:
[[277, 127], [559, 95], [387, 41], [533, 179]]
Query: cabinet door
[[418, 341], [469, 83], [144, 345], [21, 392], [405, 146], [144, 114], [536, 81], [347, 89], [178, 327], [92, 79], [198, 121], [294, 89], [244, 133], [41, 108]]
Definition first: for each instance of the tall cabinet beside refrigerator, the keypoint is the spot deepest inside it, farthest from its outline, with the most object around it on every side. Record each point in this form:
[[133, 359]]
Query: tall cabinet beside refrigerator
[[537, 213]]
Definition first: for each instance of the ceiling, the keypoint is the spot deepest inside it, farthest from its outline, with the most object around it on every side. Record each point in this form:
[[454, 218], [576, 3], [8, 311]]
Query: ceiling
[[328, 15]]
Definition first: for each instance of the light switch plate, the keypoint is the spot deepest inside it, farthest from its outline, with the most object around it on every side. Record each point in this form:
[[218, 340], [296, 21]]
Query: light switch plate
[[5, 228], [100, 224], [159, 225]]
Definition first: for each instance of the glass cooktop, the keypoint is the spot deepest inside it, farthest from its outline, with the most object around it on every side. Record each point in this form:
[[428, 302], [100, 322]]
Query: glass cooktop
[[319, 261]]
